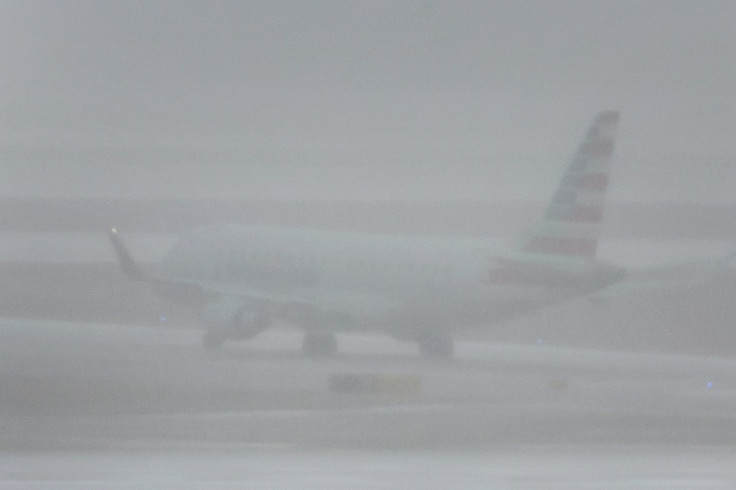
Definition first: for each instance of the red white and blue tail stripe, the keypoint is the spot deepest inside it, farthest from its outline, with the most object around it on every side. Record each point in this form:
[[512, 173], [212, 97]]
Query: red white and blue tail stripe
[[570, 226]]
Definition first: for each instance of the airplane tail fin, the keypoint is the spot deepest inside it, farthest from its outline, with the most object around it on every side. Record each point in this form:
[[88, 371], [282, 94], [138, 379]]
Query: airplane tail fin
[[571, 224]]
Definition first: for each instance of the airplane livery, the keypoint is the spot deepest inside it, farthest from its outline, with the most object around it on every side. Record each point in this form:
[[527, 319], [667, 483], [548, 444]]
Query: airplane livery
[[417, 289]]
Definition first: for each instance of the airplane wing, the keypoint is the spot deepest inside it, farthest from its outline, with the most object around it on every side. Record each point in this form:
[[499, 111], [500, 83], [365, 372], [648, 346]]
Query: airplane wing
[[335, 308], [667, 277]]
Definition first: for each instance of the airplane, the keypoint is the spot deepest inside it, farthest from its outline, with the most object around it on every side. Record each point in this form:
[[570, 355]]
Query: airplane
[[417, 289]]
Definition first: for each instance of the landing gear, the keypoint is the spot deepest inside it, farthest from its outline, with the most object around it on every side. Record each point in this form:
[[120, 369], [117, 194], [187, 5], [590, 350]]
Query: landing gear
[[212, 340], [436, 347], [319, 345]]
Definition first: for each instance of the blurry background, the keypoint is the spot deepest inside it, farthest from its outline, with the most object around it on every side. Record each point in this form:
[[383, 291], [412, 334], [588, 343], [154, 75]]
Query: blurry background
[[408, 100]]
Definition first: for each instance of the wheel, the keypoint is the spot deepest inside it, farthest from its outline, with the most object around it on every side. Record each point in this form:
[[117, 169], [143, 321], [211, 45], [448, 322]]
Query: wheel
[[211, 340], [437, 347], [319, 344]]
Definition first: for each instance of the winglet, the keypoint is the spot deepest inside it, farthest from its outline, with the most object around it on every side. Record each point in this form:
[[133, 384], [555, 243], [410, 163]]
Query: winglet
[[129, 266]]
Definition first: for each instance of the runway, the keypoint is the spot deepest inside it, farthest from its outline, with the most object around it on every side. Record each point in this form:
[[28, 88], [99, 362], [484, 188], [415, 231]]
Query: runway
[[523, 468], [125, 395]]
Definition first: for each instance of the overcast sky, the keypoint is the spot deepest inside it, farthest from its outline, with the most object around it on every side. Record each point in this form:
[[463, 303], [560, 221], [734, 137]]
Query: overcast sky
[[368, 100]]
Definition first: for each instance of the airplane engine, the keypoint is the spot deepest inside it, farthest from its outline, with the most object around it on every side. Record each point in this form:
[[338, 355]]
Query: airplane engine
[[231, 320]]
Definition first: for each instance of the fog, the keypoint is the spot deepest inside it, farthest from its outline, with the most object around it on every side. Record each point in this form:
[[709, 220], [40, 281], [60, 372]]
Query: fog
[[306, 100], [423, 119]]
